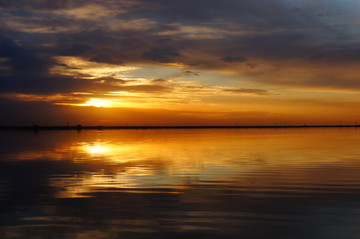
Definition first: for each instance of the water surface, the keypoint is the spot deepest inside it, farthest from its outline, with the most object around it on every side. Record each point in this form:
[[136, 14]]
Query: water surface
[[175, 183]]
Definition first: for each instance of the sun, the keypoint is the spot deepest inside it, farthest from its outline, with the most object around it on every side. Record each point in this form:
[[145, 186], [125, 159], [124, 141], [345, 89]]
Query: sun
[[95, 102]]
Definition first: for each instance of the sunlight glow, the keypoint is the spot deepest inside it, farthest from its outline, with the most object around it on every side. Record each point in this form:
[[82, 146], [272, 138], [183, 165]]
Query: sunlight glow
[[113, 152], [98, 103], [97, 149], [75, 66]]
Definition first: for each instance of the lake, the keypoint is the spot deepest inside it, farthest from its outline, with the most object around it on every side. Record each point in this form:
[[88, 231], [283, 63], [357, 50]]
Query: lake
[[180, 183]]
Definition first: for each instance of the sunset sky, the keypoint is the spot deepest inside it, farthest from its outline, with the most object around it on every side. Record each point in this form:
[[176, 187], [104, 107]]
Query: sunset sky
[[186, 62]]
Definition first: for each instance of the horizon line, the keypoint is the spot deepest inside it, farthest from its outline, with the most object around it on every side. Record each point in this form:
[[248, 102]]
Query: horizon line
[[101, 127]]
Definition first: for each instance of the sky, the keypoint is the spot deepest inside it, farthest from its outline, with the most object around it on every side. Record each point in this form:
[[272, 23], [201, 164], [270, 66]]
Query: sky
[[188, 62]]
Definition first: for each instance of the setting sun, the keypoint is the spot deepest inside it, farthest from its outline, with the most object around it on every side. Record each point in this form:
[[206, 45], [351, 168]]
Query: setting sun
[[98, 103]]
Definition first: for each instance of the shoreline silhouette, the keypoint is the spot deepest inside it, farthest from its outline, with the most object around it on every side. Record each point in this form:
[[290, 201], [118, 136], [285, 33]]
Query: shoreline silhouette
[[100, 127]]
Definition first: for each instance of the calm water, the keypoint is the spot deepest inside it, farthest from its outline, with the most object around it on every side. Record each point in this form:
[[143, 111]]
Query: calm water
[[206, 183]]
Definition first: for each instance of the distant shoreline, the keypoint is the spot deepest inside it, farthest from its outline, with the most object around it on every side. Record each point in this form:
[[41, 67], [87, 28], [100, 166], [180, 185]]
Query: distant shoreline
[[79, 127]]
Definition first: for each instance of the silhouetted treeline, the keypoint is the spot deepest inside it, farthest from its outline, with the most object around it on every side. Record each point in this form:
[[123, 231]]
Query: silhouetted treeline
[[80, 127]]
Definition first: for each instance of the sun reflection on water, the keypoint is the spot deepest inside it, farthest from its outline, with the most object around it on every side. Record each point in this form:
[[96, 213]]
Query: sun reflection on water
[[97, 149], [110, 152], [211, 180], [176, 159]]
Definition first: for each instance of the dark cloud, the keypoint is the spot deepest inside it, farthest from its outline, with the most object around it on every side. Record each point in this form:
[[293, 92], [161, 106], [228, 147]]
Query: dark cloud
[[51, 6], [29, 72], [274, 31], [27, 68], [191, 73], [104, 59], [72, 49], [251, 65], [257, 14], [232, 59], [38, 4], [163, 55], [23, 60]]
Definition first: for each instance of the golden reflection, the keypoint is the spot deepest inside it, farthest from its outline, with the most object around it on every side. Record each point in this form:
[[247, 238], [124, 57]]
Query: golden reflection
[[176, 159], [108, 152], [135, 179], [96, 149]]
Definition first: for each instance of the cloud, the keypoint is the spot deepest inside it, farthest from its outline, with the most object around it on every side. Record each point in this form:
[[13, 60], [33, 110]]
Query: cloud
[[163, 55], [319, 76], [232, 59], [102, 59], [91, 12], [200, 32], [132, 25], [39, 25], [182, 51], [39, 5], [251, 91], [191, 73], [159, 81], [81, 9], [78, 67], [144, 88], [22, 59], [28, 71]]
